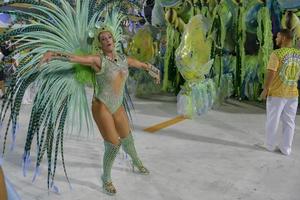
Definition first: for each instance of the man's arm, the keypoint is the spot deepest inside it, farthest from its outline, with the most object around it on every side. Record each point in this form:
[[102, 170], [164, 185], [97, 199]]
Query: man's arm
[[271, 72], [269, 79]]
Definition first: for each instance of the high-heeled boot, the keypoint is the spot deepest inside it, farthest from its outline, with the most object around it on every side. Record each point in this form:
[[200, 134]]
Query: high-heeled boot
[[110, 154], [129, 148]]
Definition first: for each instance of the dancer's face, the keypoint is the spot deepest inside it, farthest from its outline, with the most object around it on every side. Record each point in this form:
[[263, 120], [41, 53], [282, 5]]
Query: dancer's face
[[107, 41]]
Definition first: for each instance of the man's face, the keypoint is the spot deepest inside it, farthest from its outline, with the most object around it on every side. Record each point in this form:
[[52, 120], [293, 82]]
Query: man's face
[[279, 39]]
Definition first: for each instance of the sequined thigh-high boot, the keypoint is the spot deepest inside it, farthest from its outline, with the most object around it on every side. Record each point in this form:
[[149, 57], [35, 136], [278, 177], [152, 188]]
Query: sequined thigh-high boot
[[129, 148], [110, 154]]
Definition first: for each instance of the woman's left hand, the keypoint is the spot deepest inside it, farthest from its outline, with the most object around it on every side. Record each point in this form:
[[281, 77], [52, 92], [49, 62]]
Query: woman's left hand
[[154, 72], [147, 66]]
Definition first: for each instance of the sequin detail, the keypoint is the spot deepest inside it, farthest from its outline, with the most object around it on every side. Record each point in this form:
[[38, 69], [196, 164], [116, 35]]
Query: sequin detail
[[110, 82]]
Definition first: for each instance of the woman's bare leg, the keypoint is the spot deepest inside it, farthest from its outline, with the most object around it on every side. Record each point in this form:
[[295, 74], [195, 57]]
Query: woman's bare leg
[[127, 141], [121, 122], [105, 122], [106, 126], [3, 193], [2, 87]]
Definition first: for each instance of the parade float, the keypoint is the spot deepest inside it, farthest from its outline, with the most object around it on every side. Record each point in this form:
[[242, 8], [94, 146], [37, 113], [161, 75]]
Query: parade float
[[239, 37]]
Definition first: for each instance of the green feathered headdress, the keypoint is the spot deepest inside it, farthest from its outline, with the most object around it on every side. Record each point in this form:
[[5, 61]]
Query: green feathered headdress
[[112, 24]]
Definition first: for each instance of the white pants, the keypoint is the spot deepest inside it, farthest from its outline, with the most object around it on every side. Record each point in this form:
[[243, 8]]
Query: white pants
[[285, 110]]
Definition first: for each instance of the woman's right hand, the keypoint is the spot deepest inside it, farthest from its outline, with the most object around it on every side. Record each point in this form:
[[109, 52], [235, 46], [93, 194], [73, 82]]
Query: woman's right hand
[[48, 56]]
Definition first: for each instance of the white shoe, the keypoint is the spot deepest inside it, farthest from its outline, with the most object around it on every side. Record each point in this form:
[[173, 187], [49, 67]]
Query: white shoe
[[268, 147], [285, 152]]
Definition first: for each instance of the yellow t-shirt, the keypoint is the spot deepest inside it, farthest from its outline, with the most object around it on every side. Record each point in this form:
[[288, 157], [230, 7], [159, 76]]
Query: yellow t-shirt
[[286, 63]]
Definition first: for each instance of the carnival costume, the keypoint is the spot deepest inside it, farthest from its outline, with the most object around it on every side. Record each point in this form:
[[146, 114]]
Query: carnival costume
[[110, 82], [110, 89], [61, 100]]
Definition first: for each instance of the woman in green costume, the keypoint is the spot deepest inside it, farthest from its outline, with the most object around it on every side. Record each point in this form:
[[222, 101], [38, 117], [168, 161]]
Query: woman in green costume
[[111, 72]]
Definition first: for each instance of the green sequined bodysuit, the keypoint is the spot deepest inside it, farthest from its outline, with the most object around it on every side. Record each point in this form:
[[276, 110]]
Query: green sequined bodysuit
[[110, 82]]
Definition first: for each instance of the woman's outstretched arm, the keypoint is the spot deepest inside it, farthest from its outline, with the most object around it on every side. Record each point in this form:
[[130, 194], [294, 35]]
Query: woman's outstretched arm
[[154, 72], [93, 61], [137, 64]]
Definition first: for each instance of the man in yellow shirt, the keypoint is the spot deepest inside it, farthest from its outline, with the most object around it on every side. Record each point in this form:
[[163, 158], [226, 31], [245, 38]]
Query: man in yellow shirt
[[281, 92]]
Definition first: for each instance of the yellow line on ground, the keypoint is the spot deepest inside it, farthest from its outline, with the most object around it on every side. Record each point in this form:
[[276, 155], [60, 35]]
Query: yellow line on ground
[[165, 124]]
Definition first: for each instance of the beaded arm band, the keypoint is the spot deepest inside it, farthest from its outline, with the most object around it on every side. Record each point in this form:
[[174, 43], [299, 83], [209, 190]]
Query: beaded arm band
[[154, 72], [62, 57]]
